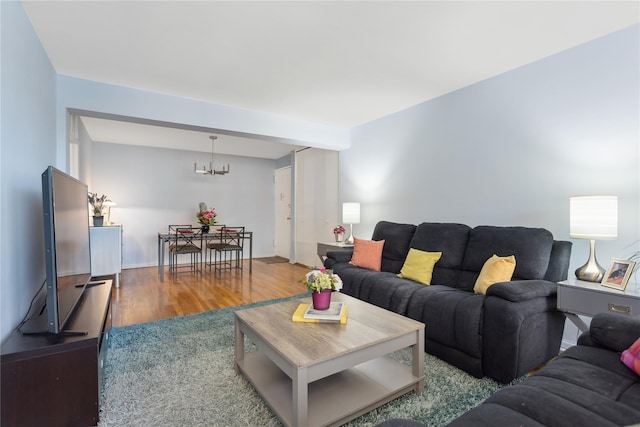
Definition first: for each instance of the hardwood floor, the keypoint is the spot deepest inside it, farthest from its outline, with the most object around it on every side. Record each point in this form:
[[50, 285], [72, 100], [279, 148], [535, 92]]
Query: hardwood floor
[[142, 297]]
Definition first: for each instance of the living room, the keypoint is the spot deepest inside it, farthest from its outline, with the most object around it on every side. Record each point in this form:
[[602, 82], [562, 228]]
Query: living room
[[508, 150]]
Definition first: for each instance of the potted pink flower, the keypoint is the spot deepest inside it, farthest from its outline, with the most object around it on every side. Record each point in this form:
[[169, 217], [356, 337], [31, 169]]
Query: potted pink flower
[[321, 282], [338, 232], [206, 217]]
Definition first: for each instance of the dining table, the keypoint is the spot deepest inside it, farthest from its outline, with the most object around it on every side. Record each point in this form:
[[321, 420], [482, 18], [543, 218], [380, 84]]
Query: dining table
[[213, 235]]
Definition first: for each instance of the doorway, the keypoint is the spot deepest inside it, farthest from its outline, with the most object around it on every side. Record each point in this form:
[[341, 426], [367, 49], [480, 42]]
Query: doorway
[[283, 212]]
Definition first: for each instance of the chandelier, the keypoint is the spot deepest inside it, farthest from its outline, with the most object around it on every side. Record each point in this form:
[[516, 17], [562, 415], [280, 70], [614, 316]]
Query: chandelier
[[211, 170]]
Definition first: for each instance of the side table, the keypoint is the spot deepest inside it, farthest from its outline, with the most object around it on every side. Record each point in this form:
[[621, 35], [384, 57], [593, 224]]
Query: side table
[[106, 251], [324, 247], [587, 298]]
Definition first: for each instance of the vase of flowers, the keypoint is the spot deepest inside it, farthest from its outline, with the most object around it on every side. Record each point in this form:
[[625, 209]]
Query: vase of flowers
[[321, 282], [338, 232], [97, 204], [206, 217]]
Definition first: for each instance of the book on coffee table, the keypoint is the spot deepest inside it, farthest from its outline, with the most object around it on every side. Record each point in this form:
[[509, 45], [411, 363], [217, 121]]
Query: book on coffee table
[[336, 313]]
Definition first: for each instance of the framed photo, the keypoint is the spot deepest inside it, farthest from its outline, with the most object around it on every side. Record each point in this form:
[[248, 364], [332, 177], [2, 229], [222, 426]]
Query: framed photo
[[618, 273]]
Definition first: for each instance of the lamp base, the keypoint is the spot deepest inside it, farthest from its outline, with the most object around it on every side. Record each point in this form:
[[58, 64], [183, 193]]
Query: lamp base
[[591, 271], [349, 240]]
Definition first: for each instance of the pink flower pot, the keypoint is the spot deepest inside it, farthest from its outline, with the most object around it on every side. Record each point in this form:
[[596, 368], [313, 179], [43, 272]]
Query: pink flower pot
[[322, 299]]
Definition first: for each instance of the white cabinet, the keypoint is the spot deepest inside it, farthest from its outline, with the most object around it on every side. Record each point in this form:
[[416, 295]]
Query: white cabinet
[[106, 251]]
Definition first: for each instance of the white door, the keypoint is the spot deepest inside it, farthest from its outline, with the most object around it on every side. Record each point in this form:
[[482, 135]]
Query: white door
[[283, 212]]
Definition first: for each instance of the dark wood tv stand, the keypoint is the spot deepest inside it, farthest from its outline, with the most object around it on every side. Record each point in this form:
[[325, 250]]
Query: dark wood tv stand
[[56, 381]]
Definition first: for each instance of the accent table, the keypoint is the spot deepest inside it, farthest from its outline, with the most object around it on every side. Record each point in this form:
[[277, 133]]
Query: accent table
[[588, 298], [318, 374]]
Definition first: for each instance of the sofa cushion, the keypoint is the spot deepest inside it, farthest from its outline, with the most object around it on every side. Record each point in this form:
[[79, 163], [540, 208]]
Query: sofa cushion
[[367, 254], [352, 278], [397, 238], [452, 317], [388, 291], [451, 240], [419, 266], [530, 246], [496, 269]]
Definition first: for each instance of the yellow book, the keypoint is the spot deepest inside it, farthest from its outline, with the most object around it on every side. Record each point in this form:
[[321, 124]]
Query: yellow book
[[298, 316]]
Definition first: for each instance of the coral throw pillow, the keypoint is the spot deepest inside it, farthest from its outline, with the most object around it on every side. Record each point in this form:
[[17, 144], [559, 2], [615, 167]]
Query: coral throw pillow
[[419, 265], [631, 357], [367, 253], [495, 269]]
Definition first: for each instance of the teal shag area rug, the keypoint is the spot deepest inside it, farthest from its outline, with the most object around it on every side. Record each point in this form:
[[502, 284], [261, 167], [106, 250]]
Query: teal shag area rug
[[180, 372]]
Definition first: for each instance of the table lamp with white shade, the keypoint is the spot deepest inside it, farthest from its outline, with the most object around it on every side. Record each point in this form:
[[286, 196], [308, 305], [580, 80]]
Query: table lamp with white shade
[[108, 204], [593, 218], [350, 215]]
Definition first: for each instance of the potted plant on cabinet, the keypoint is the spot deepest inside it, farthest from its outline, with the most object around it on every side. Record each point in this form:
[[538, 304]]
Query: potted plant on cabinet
[[97, 204]]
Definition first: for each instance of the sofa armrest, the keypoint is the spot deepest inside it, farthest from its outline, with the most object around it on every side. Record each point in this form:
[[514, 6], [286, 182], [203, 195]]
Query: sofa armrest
[[518, 336], [612, 331], [522, 290], [342, 255]]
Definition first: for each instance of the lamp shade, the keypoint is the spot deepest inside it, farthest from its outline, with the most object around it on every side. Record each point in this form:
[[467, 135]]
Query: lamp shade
[[593, 217], [351, 213]]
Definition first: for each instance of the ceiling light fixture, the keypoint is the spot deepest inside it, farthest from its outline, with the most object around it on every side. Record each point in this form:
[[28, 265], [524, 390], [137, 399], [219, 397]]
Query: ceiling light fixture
[[211, 170]]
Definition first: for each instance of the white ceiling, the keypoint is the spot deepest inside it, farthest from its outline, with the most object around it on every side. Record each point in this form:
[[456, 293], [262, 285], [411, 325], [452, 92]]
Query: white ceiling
[[342, 63]]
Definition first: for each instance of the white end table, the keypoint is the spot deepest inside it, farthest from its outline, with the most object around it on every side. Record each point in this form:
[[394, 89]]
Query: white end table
[[587, 298], [106, 251]]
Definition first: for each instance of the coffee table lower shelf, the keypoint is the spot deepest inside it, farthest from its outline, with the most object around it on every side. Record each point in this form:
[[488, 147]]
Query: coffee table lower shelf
[[333, 400]]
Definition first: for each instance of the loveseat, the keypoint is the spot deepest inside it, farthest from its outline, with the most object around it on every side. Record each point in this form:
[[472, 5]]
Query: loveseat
[[587, 385], [512, 329]]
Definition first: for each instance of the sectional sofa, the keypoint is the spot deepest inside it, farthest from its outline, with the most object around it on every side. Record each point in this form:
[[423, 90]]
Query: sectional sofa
[[502, 334], [590, 384]]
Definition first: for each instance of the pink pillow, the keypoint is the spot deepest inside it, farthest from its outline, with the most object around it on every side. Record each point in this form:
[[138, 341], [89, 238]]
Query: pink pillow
[[367, 253], [631, 357]]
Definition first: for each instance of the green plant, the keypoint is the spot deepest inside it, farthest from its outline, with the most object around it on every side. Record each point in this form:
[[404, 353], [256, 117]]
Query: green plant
[[320, 279], [635, 257], [97, 203]]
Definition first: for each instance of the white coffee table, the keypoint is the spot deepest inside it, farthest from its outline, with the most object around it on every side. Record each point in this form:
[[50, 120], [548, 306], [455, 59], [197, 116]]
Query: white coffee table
[[317, 374]]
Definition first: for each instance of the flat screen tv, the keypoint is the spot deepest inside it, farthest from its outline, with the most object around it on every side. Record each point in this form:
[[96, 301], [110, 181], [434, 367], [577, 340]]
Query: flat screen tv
[[67, 251]]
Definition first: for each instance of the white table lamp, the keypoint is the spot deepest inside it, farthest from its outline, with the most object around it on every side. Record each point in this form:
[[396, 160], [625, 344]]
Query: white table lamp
[[593, 218], [108, 205], [350, 215]]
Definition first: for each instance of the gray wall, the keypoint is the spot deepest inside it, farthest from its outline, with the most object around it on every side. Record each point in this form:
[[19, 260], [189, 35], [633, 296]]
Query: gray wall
[[155, 187], [511, 150], [28, 137]]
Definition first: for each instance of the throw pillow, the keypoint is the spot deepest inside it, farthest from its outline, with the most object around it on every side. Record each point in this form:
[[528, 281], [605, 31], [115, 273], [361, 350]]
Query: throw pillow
[[495, 269], [367, 253], [631, 357], [419, 265]]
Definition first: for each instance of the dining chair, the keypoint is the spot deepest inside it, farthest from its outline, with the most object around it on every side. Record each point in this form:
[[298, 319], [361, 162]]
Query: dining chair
[[228, 253], [213, 241], [185, 240], [173, 228]]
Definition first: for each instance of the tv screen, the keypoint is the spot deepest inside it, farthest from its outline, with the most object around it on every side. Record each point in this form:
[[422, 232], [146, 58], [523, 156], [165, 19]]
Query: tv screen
[[67, 251]]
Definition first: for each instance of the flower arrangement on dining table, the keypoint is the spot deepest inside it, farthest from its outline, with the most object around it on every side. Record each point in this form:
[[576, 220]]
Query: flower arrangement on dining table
[[97, 203], [206, 216], [318, 280]]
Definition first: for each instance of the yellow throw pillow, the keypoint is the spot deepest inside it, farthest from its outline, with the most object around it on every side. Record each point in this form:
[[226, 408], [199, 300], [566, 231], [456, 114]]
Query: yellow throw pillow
[[419, 265], [496, 269]]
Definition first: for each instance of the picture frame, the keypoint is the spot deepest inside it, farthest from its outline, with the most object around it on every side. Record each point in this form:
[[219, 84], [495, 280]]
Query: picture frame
[[618, 274]]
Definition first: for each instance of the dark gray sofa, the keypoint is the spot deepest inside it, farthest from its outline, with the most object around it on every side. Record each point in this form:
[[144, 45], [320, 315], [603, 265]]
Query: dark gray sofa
[[587, 385], [502, 335]]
